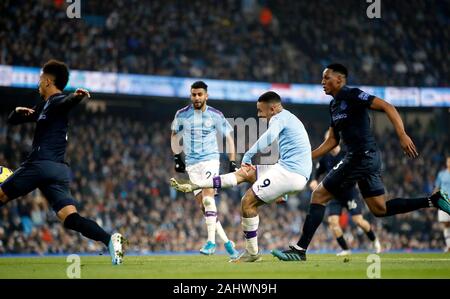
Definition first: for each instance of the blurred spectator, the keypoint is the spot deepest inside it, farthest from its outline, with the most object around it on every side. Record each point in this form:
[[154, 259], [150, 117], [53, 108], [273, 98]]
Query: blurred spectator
[[277, 41]]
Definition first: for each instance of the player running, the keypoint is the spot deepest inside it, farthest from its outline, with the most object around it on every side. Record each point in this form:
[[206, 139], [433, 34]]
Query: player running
[[443, 183], [350, 122], [197, 125], [349, 199], [270, 182], [44, 168]]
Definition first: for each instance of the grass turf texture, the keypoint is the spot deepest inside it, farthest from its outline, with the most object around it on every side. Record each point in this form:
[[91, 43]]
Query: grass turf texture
[[429, 265]]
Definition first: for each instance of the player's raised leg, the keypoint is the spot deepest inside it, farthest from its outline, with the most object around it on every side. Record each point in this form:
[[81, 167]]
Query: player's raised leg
[[244, 174], [382, 208]]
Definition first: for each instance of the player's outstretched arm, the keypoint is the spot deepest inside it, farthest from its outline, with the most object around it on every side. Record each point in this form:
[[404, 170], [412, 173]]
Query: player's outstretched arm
[[405, 141], [22, 115], [330, 142], [263, 141], [73, 99]]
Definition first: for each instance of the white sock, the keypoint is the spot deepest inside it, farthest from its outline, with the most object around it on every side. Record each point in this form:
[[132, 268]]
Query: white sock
[[221, 181], [447, 237], [221, 232], [210, 217], [250, 227], [297, 247]]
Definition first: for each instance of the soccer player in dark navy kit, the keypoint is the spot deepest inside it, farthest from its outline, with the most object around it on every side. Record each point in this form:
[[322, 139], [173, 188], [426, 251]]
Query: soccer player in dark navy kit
[[44, 168], [350, 123], [349, 199]]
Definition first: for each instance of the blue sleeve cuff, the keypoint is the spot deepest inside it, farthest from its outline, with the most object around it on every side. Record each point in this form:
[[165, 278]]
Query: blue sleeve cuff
[[246, 159]]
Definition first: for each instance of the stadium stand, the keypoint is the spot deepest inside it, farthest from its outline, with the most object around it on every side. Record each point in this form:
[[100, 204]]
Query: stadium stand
[[235, 40]]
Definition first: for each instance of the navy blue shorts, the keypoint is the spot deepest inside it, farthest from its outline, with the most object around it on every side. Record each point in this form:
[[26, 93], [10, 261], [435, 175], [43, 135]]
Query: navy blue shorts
[[50, 177], [361, 168], [349, 200]]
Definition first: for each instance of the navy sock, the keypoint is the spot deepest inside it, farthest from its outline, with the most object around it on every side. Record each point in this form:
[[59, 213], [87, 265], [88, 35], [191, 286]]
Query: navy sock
[[312, 222], [371, 235], [341, 241], [404, 205], [88, 228]]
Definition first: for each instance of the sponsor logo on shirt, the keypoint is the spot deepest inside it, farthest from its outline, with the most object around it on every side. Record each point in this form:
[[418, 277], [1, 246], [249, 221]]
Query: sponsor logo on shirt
[[208, 123], [339, 116], [363, 96]]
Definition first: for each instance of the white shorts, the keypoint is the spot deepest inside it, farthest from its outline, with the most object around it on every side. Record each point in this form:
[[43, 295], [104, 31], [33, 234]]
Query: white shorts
[[443, 217], [202, 171], [273, 181]]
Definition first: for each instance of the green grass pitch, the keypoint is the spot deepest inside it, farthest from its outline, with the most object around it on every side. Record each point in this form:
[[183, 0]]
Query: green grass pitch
[[406, 265]]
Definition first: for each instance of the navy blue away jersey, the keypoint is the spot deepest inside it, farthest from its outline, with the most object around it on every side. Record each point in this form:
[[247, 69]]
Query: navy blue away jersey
[[52, 124], [327, 162], [350, 119]]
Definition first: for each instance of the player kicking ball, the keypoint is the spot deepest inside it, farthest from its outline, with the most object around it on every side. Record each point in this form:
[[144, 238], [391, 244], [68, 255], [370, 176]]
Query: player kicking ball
[[44, 168], [270, 182]]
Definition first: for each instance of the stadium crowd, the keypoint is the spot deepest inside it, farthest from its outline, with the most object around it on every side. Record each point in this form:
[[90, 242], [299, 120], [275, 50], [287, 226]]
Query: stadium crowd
[[262, 40], [120, 170]]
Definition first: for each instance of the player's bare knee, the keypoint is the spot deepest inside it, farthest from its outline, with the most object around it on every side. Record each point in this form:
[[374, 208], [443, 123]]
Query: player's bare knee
[[333, 222], [358, 220], [378, 211], [320, 195], [242, 176], [334, 227]]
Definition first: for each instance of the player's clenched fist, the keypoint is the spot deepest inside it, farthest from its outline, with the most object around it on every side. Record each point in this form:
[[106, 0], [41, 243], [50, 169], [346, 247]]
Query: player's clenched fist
[[179, 164], [82, 92], [233, 166]]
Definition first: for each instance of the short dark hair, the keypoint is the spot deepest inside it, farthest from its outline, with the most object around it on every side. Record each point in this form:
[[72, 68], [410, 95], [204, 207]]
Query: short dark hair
[[270, 97], [338, 68], [59, 70], [199, 84]]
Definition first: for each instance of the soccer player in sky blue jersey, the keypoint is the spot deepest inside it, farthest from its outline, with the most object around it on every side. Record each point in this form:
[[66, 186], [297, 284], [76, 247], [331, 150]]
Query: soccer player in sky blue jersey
[[198, 126], [443, 183], [270, 182]]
